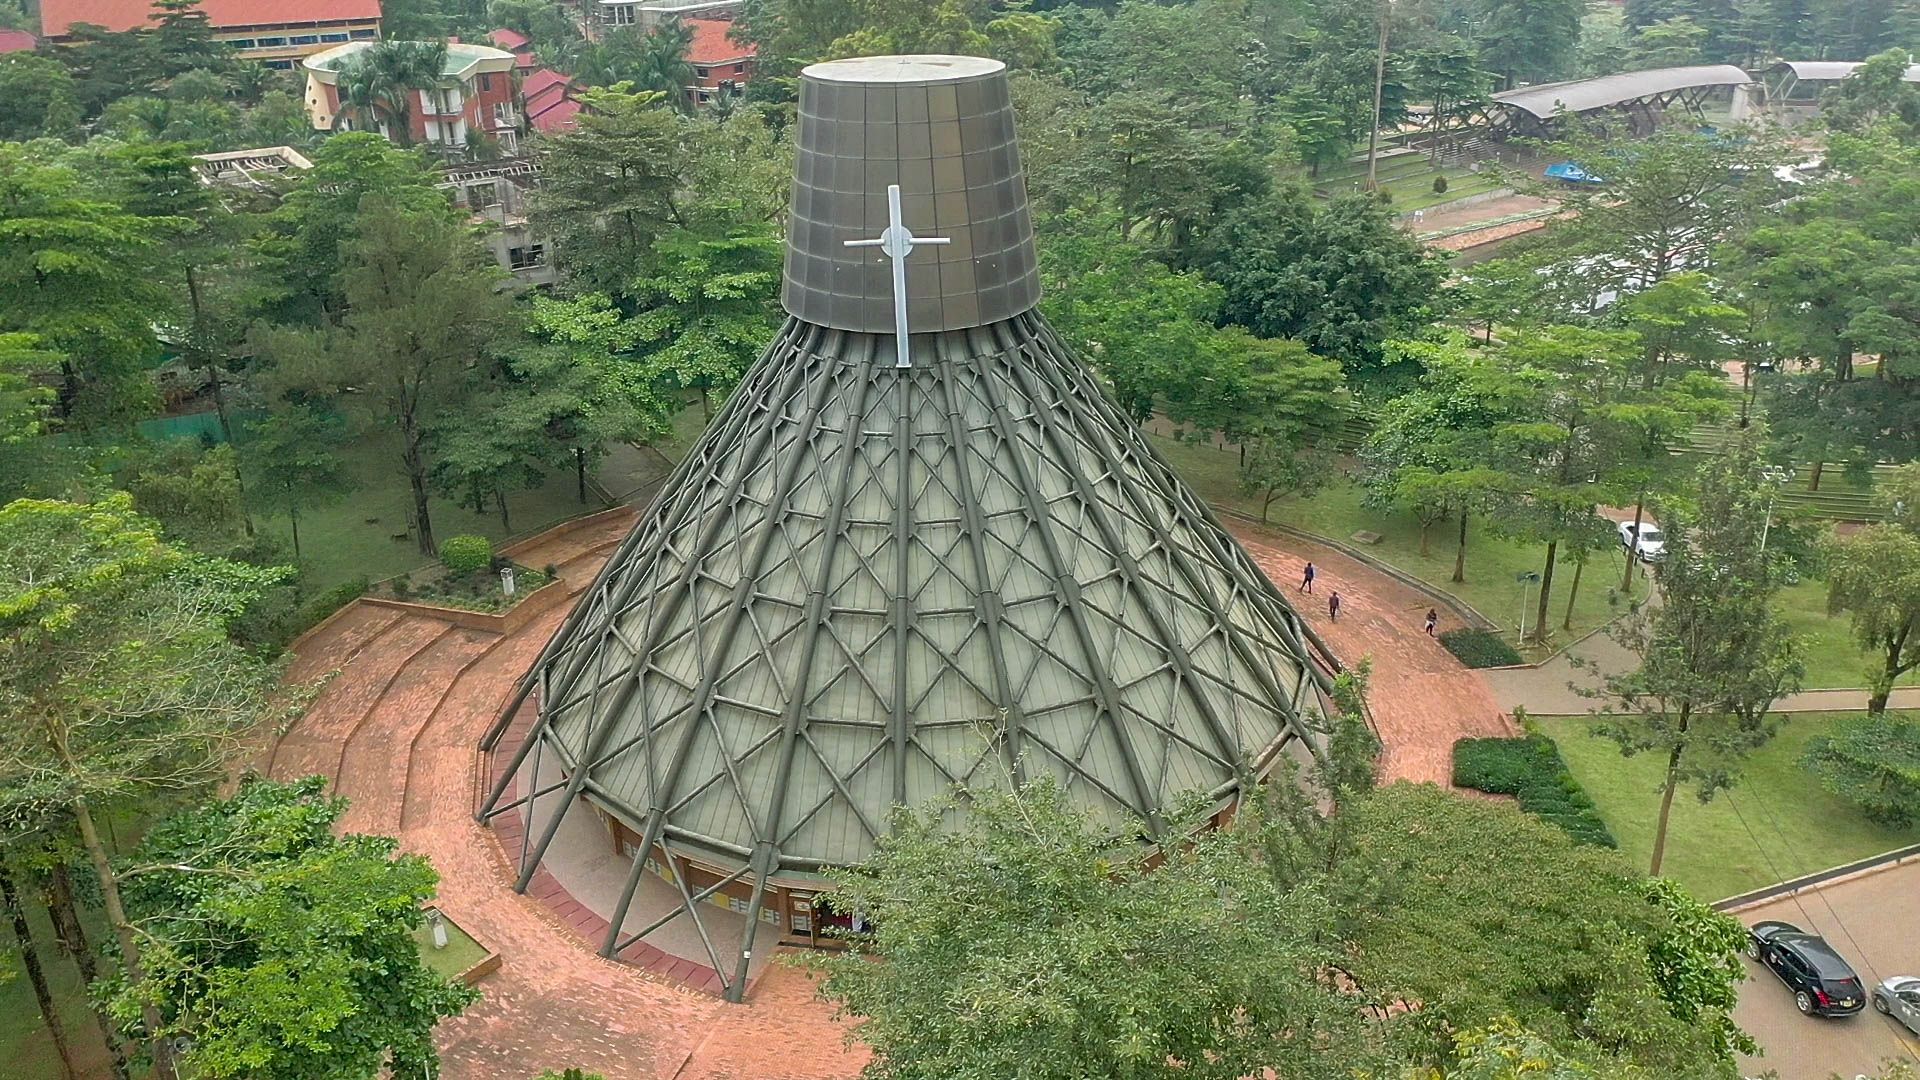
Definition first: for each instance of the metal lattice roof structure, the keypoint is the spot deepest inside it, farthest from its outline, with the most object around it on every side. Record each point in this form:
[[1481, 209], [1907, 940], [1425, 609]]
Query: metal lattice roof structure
[[1828, 70], [1582, 95], [871, 583]]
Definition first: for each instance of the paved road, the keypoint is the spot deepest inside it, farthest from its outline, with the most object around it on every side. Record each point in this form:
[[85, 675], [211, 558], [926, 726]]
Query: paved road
[[1549, 690], [1870, 920]]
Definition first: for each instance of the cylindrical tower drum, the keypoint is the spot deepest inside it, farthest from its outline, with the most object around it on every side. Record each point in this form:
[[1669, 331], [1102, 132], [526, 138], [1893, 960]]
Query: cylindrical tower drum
[[941, 127]]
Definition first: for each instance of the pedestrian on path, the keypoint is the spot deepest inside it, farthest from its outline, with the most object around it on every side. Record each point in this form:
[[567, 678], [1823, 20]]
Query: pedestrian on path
[[1306, 580], [1333, 606], [1433, 620]]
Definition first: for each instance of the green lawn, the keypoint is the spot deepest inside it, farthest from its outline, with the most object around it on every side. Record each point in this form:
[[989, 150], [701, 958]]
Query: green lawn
[[354, 537], [24, 1045], [461, 953], [1796, 828], [1833, 658], [1491, 563]]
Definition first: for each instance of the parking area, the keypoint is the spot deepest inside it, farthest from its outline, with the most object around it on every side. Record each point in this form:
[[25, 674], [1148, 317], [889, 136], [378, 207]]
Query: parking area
[[1872, 921]]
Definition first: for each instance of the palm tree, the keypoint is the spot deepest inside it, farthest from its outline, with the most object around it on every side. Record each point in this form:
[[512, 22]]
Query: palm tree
[[654, 61], [663, 63], [377, 83]]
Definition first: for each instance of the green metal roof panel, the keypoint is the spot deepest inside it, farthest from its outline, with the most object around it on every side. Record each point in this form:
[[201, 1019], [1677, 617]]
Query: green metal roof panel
[[869, 584]]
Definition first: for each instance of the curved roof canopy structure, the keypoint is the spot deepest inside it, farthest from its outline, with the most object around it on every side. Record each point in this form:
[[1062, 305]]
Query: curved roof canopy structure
[[1828, 70], [879, 577], [1582, 95]]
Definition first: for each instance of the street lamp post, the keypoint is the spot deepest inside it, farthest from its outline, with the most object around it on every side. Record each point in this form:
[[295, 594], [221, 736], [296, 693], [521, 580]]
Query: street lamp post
[[1527, 579]]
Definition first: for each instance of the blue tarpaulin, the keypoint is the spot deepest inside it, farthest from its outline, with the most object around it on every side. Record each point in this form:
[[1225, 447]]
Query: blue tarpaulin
[[1571, 173]]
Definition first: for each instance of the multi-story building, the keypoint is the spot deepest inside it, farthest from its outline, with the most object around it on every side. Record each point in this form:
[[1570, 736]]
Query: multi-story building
[[275, 32], [647, 14], [497, 192], [473, 98], [721, 66]]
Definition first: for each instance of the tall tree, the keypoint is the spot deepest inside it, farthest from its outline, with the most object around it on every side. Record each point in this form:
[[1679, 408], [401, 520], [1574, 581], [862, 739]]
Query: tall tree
[[29, 951], [1282, 404], [1429, 448], [653, 62], [1025, 944], [611, 187], [284, 951], [300, 252], [1666, 200], [1581, 431], [1873, 576], [1343, 279], [40, 95], [1714, 654], [709, 306], [117, 680], [1675, 42], [1145, 329], [1444, 72], [70, 274], [291, 454], [422, 310], [1525, 40]]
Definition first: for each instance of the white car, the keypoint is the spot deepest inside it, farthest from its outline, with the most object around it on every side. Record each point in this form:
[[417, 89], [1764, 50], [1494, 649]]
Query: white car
[[1650, 544]]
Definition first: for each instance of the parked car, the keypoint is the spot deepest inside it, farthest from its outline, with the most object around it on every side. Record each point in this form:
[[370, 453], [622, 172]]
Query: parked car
[[1899, 997], [1823, 984], [1650, 544]]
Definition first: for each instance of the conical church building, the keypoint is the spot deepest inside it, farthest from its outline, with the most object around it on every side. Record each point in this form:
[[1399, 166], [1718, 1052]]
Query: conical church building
[[918, 548]]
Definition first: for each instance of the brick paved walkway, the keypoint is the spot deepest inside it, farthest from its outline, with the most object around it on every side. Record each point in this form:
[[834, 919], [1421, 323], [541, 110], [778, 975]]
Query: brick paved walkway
[[397, 727], [1422, 699]]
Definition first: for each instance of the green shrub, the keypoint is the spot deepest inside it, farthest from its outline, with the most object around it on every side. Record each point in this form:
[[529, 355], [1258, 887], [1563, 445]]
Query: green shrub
[[1872, 762], [1440, 184], [402, 587], [1478, 648], [1530, 769], [466, 554], [269, 630]]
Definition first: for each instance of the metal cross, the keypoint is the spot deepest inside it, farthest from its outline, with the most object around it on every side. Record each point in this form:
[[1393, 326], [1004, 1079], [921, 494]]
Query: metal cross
[[897, 243]]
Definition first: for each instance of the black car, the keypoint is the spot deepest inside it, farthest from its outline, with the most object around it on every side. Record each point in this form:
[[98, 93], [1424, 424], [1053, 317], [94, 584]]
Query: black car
[[1822, 983]]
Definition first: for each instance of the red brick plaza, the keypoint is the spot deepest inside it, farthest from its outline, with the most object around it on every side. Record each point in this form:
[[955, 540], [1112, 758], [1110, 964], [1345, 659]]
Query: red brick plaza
[[397, 728]]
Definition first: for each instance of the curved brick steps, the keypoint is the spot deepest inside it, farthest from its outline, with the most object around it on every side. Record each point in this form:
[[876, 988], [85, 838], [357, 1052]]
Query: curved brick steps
[[579, 571], [341, 640], [440, 761], [373, 764], [553, 999], [312, 745]]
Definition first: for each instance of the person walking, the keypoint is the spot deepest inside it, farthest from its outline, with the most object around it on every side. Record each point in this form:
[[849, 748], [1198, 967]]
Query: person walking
[[1433, 620], [1333, 606], [1306, 580]]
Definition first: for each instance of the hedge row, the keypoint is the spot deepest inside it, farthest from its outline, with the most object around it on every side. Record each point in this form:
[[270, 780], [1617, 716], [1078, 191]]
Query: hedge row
[[1530, 769], [270, 624], [1478, 648]]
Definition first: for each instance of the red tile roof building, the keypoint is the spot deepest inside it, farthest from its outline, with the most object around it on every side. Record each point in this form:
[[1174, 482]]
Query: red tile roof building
[[475, 96], [275, 32], [717, 59], [516, 43], [547, 97], [16, 41]]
